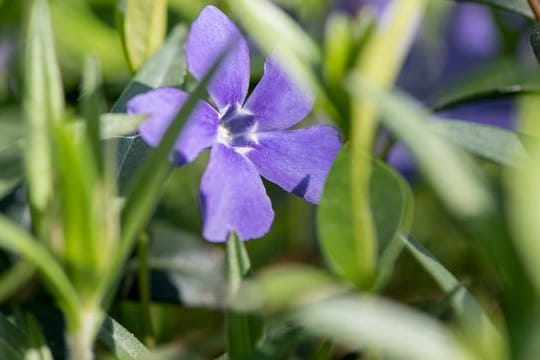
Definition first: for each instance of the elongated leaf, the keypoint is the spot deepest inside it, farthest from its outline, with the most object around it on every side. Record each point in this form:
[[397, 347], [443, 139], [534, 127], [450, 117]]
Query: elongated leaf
[[391, 205], [500, 78], [365, 322], [457, 182], [166, 68], [144, 27], [517, 6], [123, 344], [43, 101], [502, 146], [15, 278], [243, 330], [14, 239], [469, 312]]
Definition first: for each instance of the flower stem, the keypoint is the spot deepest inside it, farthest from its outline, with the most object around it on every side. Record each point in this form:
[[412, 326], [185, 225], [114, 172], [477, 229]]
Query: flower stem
[[144, 290]]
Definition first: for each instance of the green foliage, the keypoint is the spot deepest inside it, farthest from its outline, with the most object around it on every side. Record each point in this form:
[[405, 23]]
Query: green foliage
[[65, 162]]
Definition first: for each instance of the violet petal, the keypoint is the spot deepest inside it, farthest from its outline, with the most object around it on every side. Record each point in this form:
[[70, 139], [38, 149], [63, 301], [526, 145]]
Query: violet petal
[[297, 160], [210, 35], [233, 197], [162, 106], [277, 101]]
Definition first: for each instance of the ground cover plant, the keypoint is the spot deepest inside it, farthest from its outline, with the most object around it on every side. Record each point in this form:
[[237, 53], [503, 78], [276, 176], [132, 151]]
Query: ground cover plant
[[257, 179]]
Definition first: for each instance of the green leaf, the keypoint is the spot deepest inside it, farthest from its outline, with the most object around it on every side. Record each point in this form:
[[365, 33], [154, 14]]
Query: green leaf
[[500, 78], [12, 132], [147, 186], [193, 271], [517, 6], [535, 41], [476, 324], [16, 240], [451, 173], [92, 103], [166, 68], [499, 145], [123, 344], [375, 323], [144, 26], [37, 347], [15, 278], [283, 287], [116, 125], [243, 330], [391, 207], [12, 339], [43, 102]]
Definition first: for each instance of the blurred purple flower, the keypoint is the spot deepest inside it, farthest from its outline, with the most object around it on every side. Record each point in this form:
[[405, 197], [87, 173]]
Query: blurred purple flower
[[247, 138]]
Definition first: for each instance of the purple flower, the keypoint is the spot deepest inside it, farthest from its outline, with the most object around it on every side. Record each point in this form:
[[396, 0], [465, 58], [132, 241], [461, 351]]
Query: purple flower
[[248, 138]]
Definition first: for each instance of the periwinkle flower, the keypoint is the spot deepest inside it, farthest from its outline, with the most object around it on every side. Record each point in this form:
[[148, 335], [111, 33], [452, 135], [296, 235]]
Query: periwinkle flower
[[248, 138]]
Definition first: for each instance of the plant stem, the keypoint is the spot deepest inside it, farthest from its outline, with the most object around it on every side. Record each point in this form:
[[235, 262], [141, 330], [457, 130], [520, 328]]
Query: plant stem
[[81, 340], [144, 290]]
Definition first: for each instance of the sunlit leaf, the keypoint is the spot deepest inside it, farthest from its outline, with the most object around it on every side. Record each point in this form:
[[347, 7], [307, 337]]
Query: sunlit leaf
[[144, 26]]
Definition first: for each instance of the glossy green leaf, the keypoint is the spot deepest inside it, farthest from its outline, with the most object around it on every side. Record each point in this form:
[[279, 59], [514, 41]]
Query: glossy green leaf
[[243, 330], [499, 145], [470, 313], [123, 344], [517, 6], [375, 323], [457, 182], [43, 101], [166, 68], [391, 207], [144, 26]]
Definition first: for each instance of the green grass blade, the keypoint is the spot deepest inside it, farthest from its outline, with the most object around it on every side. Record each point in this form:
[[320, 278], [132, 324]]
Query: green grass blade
[[475, 322], [14, 239]]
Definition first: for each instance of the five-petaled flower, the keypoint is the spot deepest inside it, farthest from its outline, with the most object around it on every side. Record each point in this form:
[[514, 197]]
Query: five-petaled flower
[[247, 138]]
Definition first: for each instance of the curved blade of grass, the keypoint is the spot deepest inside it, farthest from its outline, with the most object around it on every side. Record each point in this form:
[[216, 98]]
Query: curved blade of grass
[[14, 239], [123, 344], [15, 278], [500, 78], [474, 320]]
